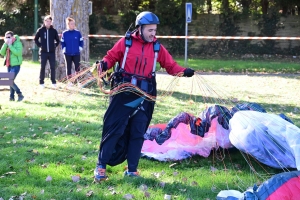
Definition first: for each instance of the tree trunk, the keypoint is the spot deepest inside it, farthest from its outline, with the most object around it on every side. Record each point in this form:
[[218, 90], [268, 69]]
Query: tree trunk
[[246, 6], [225, 7], [78, 10], [209, 6], [265, 6]]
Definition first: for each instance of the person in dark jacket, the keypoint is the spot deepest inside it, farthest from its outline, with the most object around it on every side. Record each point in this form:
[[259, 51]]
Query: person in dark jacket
[[12, 50], [72, 45], [128, 115], [46, 38]]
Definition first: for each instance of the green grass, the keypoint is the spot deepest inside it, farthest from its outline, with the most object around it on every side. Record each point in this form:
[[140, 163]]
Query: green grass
[[56, 134], [242, 66]]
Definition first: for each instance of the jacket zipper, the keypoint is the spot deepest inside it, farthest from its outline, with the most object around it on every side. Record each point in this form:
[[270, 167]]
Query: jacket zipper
[[136, 62], [144, 66], [141, 59], [47, 40], [73, 53]]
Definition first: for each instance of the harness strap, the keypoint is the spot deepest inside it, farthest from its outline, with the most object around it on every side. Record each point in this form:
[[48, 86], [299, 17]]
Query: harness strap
[[156, 48], [140, 107], [128, 44]]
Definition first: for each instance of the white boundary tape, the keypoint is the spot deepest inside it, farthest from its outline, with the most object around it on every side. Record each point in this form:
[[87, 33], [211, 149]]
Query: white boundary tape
[[190, 37], [208, 37]]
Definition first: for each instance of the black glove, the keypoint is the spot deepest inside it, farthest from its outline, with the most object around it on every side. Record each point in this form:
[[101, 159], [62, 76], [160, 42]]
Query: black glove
[[188, 72], [103, 65]]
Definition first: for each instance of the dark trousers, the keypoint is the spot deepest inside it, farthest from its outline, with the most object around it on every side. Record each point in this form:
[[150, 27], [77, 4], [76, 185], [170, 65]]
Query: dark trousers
[[72, 59], [117, 123], [44, 57]]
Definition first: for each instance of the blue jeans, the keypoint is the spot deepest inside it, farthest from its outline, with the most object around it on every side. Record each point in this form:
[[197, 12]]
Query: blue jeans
[[14, 88]]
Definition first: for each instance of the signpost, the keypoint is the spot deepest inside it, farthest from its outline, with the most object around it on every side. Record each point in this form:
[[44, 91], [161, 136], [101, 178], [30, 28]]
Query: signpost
[[35, 49], [188, 19]]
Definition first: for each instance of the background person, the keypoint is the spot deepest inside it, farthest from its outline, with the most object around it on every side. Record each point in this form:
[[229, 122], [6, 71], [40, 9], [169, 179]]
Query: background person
[[46, 38], [128, 115], [72, 45], [12, 50]]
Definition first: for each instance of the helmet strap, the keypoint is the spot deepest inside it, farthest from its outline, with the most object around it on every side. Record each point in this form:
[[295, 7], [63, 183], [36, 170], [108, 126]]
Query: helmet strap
[[142, 35]]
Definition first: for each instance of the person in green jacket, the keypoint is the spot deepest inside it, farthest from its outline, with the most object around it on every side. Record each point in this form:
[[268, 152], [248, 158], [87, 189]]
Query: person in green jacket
[[12, 52]]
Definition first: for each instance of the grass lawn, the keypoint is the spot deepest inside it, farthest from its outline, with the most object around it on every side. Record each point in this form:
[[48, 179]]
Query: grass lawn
[[243, 66], [49, 141]]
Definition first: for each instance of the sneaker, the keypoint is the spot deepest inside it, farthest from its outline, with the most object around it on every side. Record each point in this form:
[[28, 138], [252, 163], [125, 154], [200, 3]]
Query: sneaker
[[54, 85], [11, 99], [79, 85], [100, 174], [131, 174], [20, 97], [42, 86]]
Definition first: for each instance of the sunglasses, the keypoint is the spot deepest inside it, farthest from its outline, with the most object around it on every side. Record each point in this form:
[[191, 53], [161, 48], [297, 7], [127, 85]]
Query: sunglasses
[[7, 37]]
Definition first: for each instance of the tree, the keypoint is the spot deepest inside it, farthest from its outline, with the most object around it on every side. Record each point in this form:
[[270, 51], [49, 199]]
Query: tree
[[209, 6], [77, 9], [264, 6]]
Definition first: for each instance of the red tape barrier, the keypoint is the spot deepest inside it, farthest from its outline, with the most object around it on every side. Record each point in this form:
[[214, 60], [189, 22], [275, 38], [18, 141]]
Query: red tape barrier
[[190, 37]]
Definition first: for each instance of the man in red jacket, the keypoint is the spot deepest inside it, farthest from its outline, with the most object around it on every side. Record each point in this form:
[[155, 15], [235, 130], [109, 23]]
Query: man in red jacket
[[128, 115]]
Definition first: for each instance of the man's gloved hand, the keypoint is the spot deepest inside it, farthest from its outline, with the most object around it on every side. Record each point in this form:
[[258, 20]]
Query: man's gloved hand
[[101, 65], [188, 72]]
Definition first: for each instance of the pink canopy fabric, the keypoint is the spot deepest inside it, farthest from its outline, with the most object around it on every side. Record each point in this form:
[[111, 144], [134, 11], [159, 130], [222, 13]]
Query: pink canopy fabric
[[183, 144]]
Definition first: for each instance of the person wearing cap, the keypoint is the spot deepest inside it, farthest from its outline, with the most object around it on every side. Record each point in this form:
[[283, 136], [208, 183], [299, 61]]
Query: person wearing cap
[[128, 115]]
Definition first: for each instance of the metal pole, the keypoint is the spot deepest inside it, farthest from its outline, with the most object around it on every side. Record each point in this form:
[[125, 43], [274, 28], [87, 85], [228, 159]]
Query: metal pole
[[186, 45], [35, 49]]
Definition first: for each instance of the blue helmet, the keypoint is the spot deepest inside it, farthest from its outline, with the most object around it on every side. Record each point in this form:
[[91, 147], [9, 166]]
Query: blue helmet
[[146, 17]]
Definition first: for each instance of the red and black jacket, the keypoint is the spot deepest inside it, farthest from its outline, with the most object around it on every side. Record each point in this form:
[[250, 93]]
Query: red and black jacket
[[140, 57]]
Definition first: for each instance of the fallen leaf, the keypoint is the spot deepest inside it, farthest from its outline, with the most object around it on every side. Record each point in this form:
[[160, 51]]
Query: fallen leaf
[[175, 173], [113, 192], [184, 179], [89, 193], [10, 173], [14, 141], [156, 174], [172, 165], [235, 100], [49, 178], [213, 188], [167, 197], [75, 178], [213, 169], [194, 183], [147, 194], [238, 166], [35, 151], [44, 166], [42, 191], [110, 188], [143, 187], [162, 184], [128, 196]]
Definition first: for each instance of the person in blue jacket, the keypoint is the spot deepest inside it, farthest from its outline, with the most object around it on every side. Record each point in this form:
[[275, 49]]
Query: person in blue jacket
[[72, 45]]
